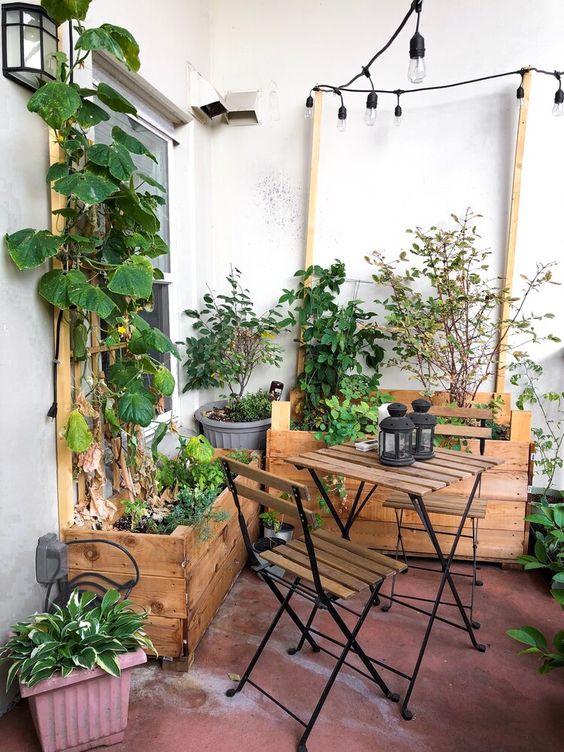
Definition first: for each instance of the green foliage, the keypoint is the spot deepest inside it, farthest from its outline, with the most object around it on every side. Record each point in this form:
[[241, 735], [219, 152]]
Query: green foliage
[[194, 509], [443, 310], [242, 455], [271, 520], [249, 407], [346, 420], [337, 340], [231, 340], [548, 554], [136, 509], [109, 235], [549, 432], [198, 449], [78, 636]]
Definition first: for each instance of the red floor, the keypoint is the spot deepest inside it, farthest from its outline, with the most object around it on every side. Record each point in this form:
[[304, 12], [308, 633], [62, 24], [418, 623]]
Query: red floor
[[464, 700]]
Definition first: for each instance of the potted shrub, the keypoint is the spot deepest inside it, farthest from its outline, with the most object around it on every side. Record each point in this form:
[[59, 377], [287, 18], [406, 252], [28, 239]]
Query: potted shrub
[[231, 340], [274, 527], [74, 667]]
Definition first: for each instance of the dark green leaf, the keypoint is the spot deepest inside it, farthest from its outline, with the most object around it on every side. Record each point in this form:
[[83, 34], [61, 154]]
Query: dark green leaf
[[123, 373], [55, 102], [131, 143], [151, 181], [99, 39], [136, 407], [115, 157], [56, 171], [66, 10], [133, 278], [79, 341], [91, 114], [126, 41], [529, 636], [115, 100], [89, 188], [164, 382], [159, 435], [90, 298], [54, 286], [30, 248]]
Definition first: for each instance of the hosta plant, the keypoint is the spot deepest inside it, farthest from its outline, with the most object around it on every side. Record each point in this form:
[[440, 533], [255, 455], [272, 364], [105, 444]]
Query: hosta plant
[[80, 635], [102, 254]]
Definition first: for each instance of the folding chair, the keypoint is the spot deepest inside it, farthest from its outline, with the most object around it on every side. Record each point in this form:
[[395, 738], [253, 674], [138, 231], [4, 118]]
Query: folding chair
[[318, 567]]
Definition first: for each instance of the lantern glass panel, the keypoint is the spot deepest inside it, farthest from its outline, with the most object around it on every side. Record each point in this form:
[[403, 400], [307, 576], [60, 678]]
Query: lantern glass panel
[[404, 445], [12, 16], [31, 18], [425, 440], [389, 443], [49, 48], [32, 47], [13, 46], [50, 26]]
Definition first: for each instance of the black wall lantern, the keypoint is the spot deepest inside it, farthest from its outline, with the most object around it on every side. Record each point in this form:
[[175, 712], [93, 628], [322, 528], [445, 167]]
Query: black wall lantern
[[424, 434], [29, 39], [396, 437]]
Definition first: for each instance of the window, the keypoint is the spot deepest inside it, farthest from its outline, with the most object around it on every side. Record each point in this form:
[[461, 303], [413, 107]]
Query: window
[[161, 146]]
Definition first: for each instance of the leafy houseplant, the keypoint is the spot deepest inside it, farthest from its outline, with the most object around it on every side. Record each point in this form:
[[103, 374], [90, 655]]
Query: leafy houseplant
[[57, 656], [230, 341], [549, 555], [102, 258], [448, 335], [337, 340], [275, 527]]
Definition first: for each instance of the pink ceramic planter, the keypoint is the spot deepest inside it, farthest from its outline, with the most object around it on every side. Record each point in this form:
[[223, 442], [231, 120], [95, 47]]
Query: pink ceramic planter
[[87, 709]]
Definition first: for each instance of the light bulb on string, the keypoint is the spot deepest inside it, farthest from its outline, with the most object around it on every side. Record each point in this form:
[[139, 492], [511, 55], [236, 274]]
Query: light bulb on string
[[371, 111], [342, 119], [397, 115], [417, 68], [309, 108], [558, 108], [520, 94]]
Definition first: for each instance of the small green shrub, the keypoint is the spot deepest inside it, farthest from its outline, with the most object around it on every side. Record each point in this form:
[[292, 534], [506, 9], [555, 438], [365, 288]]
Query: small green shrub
[[250, 407], [271, 520], [193, 509], [77, 636]]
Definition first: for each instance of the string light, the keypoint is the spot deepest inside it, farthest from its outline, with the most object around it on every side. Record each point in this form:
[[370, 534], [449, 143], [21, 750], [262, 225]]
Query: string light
[[309, 107], [417, 68], [398, 111], [417, 55]]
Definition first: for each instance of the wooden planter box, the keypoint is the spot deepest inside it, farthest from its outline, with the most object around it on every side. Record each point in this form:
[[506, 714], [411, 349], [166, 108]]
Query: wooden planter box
[[183, 579], [503, 534]]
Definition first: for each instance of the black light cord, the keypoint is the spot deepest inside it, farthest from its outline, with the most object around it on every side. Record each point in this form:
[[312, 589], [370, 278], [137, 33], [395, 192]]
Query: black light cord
[[52, 412]]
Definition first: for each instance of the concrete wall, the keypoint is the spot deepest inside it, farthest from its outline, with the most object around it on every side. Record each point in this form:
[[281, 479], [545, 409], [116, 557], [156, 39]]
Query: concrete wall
[[178, 39], [454, 149]]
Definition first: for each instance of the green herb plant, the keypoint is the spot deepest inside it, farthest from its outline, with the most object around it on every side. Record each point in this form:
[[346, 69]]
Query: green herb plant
[[80, 635], [250, 407], [193, 508], [443, 310], [230, 340], [336, 339], [102, 259], [271, 520]]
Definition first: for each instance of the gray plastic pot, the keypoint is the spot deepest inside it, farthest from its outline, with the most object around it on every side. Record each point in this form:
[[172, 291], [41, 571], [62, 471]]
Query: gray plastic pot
[[224, 435], [285, 533]]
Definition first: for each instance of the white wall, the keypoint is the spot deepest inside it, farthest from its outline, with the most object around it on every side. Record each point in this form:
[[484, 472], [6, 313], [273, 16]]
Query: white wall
[[179, 37], [454, 149]]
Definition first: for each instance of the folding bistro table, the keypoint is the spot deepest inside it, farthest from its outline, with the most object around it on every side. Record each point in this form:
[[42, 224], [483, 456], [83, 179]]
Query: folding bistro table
[[419, 481]]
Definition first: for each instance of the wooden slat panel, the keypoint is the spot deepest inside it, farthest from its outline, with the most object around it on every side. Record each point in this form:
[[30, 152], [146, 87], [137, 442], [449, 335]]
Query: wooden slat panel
[[305, 573], [473, 455], [166, 635], [160, 555], [349, 547], [162, 596], [390, 479], [475, 413], [274, 502], [452, 429], [262, 477], [289, 443], [500, 515], [327, 570], [448, 505], [360, 572]]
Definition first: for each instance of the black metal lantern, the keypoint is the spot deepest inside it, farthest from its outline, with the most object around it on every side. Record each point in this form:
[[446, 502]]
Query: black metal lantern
[[396, 437], [424, 434], [29, 39]]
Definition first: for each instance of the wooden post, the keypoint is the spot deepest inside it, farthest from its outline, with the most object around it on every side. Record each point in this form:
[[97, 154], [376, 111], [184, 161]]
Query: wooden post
[[312, 200], [280, 416], [520, 426], [65, 486], [513, 221]]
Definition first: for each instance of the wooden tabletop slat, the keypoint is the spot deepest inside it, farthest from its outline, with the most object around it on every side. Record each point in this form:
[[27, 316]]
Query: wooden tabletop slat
[[305, 573], [450, 474], [378, 476], [482, 458]]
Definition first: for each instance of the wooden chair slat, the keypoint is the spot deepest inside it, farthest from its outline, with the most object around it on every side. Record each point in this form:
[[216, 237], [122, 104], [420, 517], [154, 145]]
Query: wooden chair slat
[[335, 588], [439, 504], [475, 413], [273, 502], [264, 478], [325, 569], [360, 572], [391, 566], [452, 429]]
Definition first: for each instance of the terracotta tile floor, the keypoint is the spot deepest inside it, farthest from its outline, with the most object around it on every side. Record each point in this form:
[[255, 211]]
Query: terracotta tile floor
[[464, 700]]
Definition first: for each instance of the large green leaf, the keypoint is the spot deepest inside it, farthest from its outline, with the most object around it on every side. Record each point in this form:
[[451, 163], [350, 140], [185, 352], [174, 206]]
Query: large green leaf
[[91, 114], [90, 298], [131, 143], [136, 407], [529, 636], [151, 339], [89, 188], [55, 102], [54, 286], [151, 181], [78, 436], [114, 99], [158, 436], [115, 157], [133, 278], [30, 248], [123, 373], [99, 39], [108, 662], [126, 41], [164, 382], [65, 10], [57, 171]]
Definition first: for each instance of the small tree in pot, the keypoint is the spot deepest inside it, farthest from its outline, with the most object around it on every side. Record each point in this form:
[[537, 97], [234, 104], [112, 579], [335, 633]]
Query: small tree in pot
[[231, 340]]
